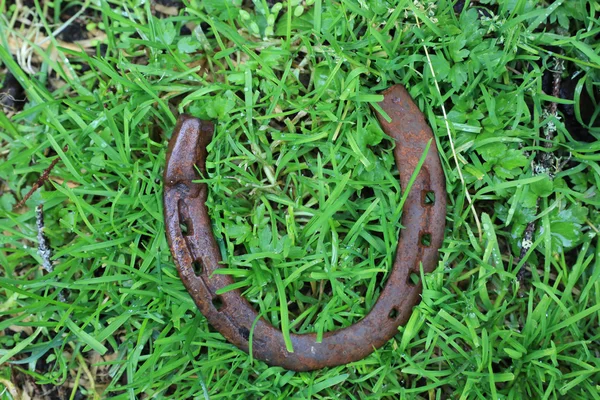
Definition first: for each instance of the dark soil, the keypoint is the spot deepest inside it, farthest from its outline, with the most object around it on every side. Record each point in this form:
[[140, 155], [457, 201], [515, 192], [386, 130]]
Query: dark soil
[[73, 32], [12, 94], [586, 106]]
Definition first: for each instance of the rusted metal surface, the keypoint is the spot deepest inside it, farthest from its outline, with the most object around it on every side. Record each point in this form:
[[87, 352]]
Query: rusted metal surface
[[197, 255]]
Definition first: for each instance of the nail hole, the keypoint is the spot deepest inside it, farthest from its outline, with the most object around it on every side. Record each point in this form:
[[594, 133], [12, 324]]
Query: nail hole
[[184, 228], [428, 198], [413, 278], [426, 239], [244, 332], [185, 222], [217, 303], [393, 313], [198, 267]]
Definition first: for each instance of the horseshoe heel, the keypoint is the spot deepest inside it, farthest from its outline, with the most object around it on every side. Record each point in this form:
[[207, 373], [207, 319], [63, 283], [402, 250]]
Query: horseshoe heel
[[197, 256]]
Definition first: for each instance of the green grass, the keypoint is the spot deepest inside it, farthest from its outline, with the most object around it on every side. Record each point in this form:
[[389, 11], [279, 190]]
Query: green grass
[[303, 196]]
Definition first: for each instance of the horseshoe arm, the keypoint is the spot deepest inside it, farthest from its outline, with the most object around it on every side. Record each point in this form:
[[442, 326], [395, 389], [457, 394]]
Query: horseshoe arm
[[197, 255]]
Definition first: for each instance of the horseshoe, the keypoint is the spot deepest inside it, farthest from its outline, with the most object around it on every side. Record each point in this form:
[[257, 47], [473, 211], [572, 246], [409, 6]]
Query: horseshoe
[[197, 256]]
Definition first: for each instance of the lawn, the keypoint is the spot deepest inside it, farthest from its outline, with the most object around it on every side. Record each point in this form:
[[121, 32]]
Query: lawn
[[303, 193]]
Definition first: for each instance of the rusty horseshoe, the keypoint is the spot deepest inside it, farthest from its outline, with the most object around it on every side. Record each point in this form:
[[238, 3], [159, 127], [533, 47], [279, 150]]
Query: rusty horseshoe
[[197, 256]]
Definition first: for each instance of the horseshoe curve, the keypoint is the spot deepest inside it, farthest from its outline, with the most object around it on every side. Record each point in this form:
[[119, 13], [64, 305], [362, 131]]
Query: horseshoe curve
[[197, 256]]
